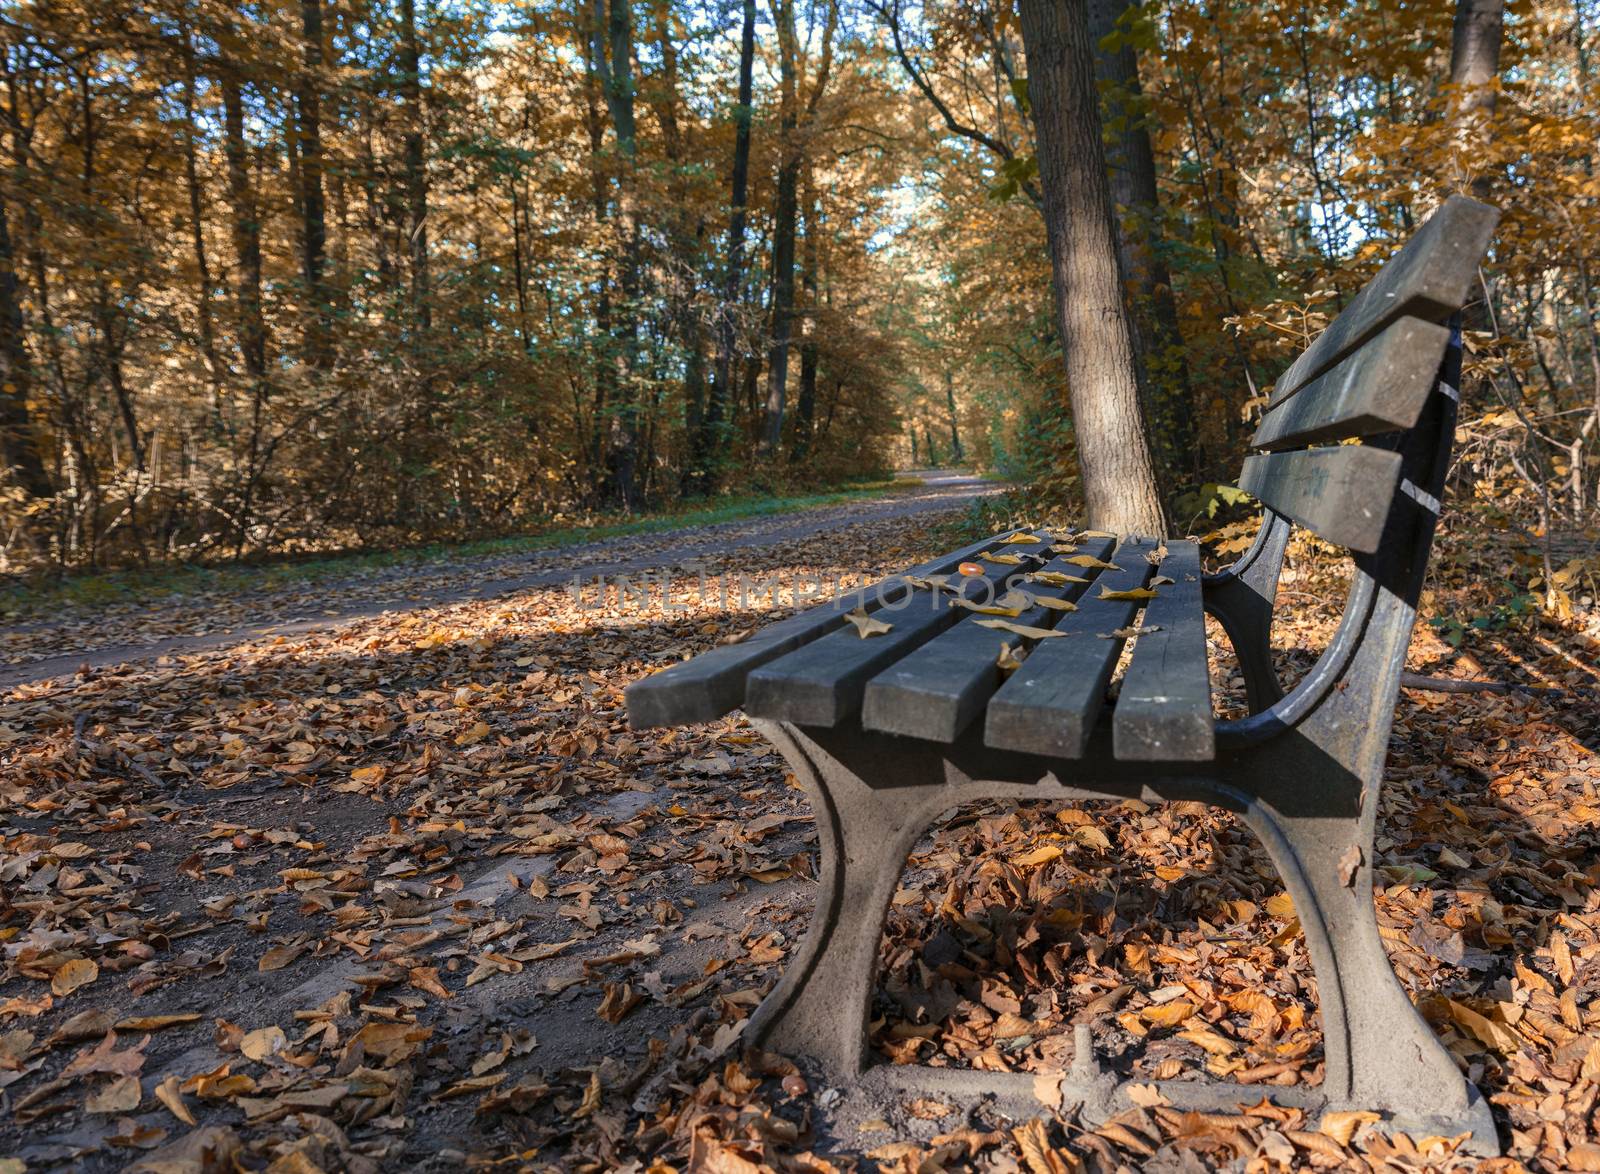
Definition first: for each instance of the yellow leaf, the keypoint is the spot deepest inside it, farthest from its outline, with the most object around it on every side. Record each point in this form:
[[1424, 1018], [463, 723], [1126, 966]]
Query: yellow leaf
[[1168, 1014], [1010, 658], [1010, 560], [1054, 604], [1027, 630], [369, 776], [1040, 855], [1131, 593], [1054, 578], [157, 1022], [1022, 536], [263, 1042], [1280, 906], [1012, 603], [1088, 560], [1496, 1035], [1342, 1126], [866, 625], [167, 1093], [1209, 1040], [74, 974]]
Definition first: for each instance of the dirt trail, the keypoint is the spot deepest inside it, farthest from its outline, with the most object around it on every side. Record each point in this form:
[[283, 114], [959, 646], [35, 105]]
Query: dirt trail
[[104, 636]]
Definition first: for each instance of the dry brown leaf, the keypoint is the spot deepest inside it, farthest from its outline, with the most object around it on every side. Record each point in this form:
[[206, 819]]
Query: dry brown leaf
[[262, 1043], [1054, 578], [1130, 593], [122, 1095], [1026, 630], [168, 1094], [1350, 865], [866, 625], [1342, 1126], [157, 1022], [73, 975]]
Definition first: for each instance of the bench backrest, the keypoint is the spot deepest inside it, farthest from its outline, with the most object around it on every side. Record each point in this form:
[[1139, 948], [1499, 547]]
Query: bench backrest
[[1369, 374]]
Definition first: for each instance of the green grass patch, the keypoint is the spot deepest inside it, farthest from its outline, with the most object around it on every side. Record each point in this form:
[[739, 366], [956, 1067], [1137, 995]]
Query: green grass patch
[[32, 600]]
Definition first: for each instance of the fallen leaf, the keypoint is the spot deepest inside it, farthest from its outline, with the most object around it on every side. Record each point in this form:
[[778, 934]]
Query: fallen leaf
[[1128, 594], [122, 1095], [168, 1094], [77, 973], [866, 625], [1350, 865], [1054, 578], [1027, 630], [157, 1022], [258, 1045], [1341, 1126]]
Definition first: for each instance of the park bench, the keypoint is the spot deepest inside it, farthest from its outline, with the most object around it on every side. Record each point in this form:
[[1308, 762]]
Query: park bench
[[886, 732]]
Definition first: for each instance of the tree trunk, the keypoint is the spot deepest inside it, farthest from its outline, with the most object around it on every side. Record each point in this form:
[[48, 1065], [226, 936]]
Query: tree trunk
[[612, 29], [783, 232], [416, 167], [197, 235], [19, 448], [1119, 483], [712, 442], [313, 213], [956, 453], [1475, 68], [1133, 189], [252, 330]]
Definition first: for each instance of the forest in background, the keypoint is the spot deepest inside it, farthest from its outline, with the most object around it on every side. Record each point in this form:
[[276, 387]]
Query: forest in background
[[280, 277]]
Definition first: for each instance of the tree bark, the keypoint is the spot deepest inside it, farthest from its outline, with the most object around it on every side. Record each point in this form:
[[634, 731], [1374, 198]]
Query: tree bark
[[197, 235], [1097, 342], [806, 405], [313, 212], [416, 166], [612, 29], [712, 441], [783, 230], [956, 453], [1133, 189], [19, 448], [1474, 68]]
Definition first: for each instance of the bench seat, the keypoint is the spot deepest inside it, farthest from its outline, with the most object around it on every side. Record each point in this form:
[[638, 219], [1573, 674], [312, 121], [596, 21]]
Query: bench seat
[[939, 667]]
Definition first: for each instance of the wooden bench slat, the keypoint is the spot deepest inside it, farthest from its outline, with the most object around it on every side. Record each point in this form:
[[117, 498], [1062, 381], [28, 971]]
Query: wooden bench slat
[[936, 691], [1426, 279], [1342, 493], [713, 683], [1050, 704], [821, 683], [1163, 713], [1379, 388]]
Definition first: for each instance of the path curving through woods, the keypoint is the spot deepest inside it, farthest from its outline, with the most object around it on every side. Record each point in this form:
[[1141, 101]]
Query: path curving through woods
[[103, 636]]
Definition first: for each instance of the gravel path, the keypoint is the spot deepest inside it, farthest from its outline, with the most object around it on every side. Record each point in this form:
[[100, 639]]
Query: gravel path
[[122, 633]]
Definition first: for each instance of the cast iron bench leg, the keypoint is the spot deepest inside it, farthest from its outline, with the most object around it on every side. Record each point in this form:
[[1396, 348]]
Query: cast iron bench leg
[[821, 1005], [1379, 1051]]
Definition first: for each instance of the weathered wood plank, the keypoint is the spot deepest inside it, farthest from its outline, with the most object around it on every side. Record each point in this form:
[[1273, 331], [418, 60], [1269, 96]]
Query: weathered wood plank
[[1050, 704], [1163, 713], [1343, 493], [821, 683], [1427, 279], [1379, 388], [934, 692], [711, 684]]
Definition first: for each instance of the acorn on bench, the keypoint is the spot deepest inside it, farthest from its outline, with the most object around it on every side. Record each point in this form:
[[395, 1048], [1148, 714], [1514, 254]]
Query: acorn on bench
[[887, 731]]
